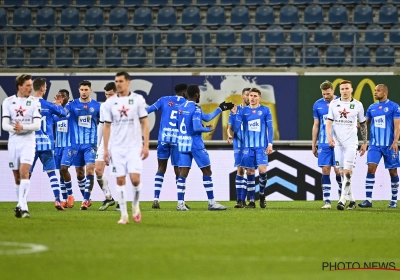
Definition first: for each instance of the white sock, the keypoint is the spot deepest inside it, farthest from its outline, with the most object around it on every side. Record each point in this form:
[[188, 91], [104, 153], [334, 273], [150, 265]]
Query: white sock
[[104, 186], [121, 194], [350, 193], [24, 191], [136, 194], [345, 190], [17, 190]]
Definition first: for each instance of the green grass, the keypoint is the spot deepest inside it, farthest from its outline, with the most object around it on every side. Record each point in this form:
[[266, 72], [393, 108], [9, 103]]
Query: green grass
[[288, 240]]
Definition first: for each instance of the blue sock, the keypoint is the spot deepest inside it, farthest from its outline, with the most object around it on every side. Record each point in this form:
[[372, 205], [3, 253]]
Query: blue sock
[[244, 191], [339, 182], [88, 186], [54, 184], [82, 184], [326, 188], [369, 185], [251, 186], [395, 187], [158, 181], [63, 188], [263, 182], [239, 187], [208, 185], [68, 186], [181, 186]]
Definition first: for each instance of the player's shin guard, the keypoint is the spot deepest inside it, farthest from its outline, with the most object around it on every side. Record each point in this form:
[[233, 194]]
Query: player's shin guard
[[369, 185], [54, 184], [63, 189], [244, 191], [136, 194], [25, 186], [158, 182], [68, 186], [180, 189], [121, 195], [82, 184], [208, 186], [339, 182], [88, 187], [251, 186], [395, 187], [103, 183], [263, 182], [239, 187], [17, 191], [326, 188]]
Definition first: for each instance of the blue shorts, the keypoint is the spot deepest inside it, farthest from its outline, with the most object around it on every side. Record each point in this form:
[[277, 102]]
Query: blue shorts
[[58, 153], [238, 157], [326, 156], [47, 159], [79, 155], [390, 159], [201, 158], [166, 150], [254, 157]]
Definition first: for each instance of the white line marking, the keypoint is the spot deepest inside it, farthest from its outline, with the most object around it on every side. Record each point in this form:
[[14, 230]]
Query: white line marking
[[26, 248]]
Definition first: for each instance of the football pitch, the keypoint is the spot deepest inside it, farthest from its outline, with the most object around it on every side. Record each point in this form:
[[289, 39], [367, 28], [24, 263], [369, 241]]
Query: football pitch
[[287, 240]]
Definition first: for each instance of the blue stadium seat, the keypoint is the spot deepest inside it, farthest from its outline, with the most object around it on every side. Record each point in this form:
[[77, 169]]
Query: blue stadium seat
[[64, 57], [254, 2], [396, 2], [22, 17], [181, 3], [185, 57], [394, 35], [349, 36], [229, 2], [249, 38], [278, 2], [362, 56], [300, 35], [118, 17], [337, 15], [35, 3], [302, 2], [388, 14], [3, 18], [49, 37], [374, 35], [324, 36], [157, 3], [176, 38], [107, 3], [15, 57], [215, 16], [69, 17], [84, 3], [8, 38], [201, 38], [376, 2], [190, 16], [289, 14], [264, 15], [13, 3], [39, 58], [363, 15], [79, 39], [166, 17], [262, 56], [59, 3], [132, 3], [284, 56], [384, 56], [162, 57], [206, 3], [87, 58], [94, 17], [335, 56], [351, 2], [327, 2], [128, 38], [153, 38], [240, 16], [142, 17], [313, 15], [113, 57], [211, 57], [274, 35], [32, 38], [234, 57], [45, 18], [309, 56], [136, 57], [100, 39], [227, 37]]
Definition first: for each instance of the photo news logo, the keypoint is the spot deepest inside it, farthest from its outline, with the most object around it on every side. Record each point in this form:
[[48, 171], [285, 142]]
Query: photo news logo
[[339, 266]]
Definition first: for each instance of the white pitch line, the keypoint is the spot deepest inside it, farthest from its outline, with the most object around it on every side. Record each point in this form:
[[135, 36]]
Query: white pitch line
[[26, 248]]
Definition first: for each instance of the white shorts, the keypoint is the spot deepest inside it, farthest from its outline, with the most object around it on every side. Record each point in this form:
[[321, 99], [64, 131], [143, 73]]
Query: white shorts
[[126, 161], [20, 152], [100, 153], [345, 156]]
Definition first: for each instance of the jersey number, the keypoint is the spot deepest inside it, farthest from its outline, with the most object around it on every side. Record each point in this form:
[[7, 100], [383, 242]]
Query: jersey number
[[44, 128], [173, 117]]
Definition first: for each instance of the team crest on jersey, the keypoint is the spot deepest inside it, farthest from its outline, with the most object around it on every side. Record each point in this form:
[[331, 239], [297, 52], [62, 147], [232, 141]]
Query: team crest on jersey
[[171, 104], [337, 163], [380, 107], [344, 113], [28, 103], [352, 106], [11, 165], [130, 101], [386, 109], [85, 107], [91, 109], [114, 169], [20, 111], [254, 111], [123, 111]]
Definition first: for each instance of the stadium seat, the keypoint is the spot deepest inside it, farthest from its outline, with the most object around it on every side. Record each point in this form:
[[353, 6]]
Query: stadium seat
[[324, 36], [264, 15], [302, 2], [136, 57], [249, 38], [166, 17], [32, 38], [234, 57], [394, 35], [45, 18], [362, 56], [349, 35], [335, 56], [396, 2], [22, 17], [152, 38], [351, 2], [254, 2], [337, 15], [278, 2], [64, 57], [107, 3], [284, 56], [327, 2], [274, 35], [388, 14], [94, 17], [157, 3], [13, 3], [229, 2], [185, 57], [309, 56], [118, 17], [374, 35], [313, 15], [363, 15], [215, 16], [128, 37], [35, 3], [181, 3], [87, 58], [59, 37], [113, 57], [132, 3], [203, 38], [376, 2], [59, 3], [162, 57], [39, 58], [289, 14], [261, 56], [176, 38], [8, 39], [206, 3], [3, 18], [227, 37], [100, 39], [211, 57], [299, 35], [142, 17], [69, 17], [384, 56], [15, 57], [79, 39], [240, 16], [84, 3], [190, 16]]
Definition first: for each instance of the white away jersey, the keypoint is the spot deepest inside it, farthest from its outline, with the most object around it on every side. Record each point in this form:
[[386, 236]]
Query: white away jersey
[[124, 113], [23, 110], [345, 115]]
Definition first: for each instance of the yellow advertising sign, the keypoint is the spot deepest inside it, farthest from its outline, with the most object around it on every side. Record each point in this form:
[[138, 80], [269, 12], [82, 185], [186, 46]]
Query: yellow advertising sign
[[358, 92]]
